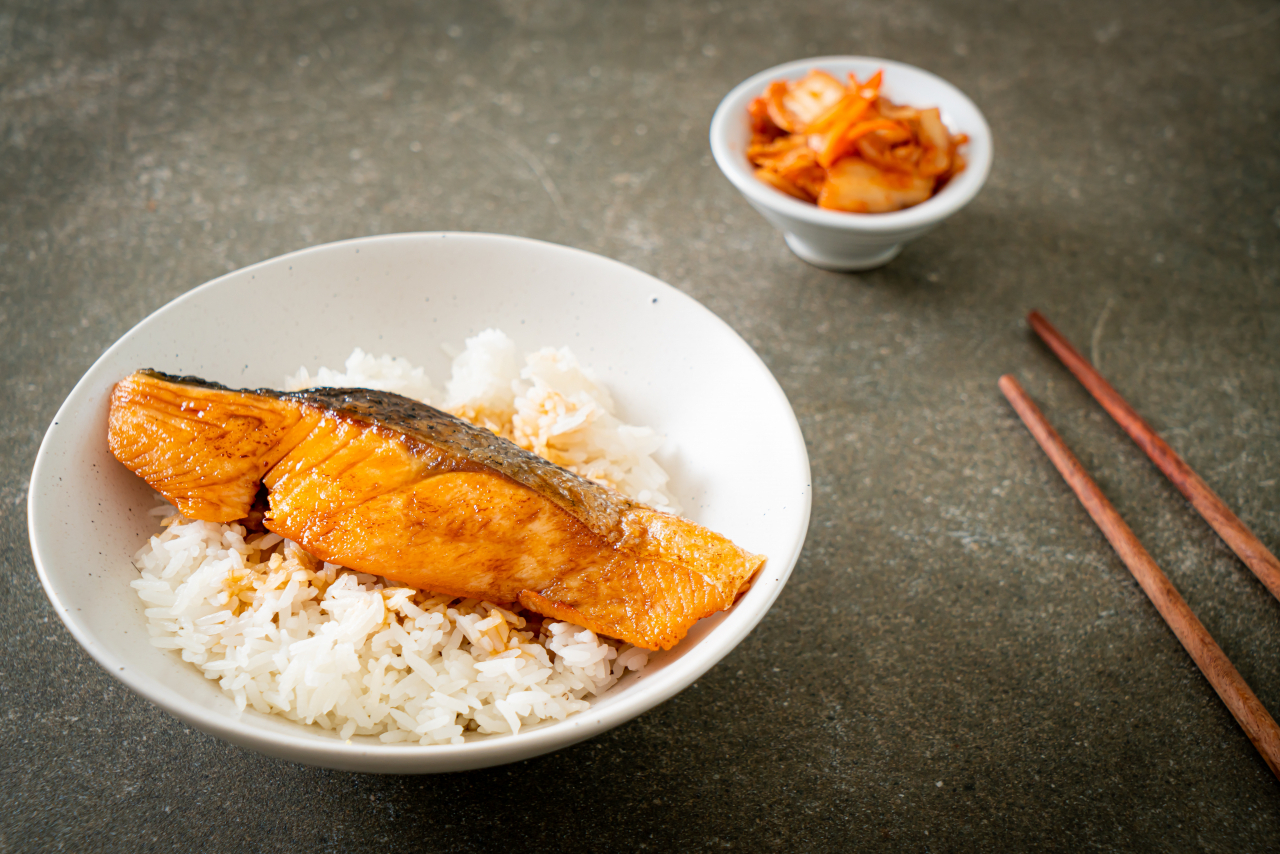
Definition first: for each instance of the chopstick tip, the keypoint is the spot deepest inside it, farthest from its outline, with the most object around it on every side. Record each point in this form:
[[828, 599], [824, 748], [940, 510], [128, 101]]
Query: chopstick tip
[[1012, 389]]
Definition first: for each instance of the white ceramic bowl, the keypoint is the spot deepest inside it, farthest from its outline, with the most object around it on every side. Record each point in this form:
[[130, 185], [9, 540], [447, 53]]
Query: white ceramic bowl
[[736, 454], [836, 240]]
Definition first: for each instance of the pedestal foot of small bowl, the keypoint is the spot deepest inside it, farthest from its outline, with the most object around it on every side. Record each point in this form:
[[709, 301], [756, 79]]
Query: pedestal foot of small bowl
[[865, 258]]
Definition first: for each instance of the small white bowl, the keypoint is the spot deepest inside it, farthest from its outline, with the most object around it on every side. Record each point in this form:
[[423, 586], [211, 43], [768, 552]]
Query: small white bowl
[[735, 452], [835, 240]]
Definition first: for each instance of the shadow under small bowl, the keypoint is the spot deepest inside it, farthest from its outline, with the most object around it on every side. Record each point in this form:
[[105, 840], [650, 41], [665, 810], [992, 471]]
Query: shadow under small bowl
[[836, 240]]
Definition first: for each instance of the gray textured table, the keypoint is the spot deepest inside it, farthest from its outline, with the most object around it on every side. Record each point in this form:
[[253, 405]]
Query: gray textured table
[[960, 662]]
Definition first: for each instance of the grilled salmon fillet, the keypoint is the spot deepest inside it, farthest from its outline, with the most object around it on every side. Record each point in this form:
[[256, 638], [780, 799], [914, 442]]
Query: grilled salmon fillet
[[383, 484]]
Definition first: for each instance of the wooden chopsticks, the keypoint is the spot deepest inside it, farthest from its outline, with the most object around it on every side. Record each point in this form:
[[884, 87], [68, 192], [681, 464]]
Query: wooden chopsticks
[[1208, 656], [1207, 503]]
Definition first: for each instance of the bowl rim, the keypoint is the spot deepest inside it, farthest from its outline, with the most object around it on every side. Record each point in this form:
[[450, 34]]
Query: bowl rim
[[958, 192], [415, 758]]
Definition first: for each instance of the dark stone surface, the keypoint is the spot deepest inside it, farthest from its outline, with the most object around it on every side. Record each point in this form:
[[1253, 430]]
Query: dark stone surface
[[960, 662]]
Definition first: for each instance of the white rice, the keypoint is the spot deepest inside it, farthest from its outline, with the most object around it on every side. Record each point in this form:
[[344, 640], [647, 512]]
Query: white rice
[[360, 655]]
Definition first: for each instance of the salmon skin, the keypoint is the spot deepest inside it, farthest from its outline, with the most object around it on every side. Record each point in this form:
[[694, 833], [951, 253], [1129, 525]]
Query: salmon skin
[[379, 483]]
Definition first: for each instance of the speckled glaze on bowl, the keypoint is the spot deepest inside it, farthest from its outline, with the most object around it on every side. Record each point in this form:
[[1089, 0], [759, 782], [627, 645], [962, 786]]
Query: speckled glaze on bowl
[[669, 361], [835, 240]]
